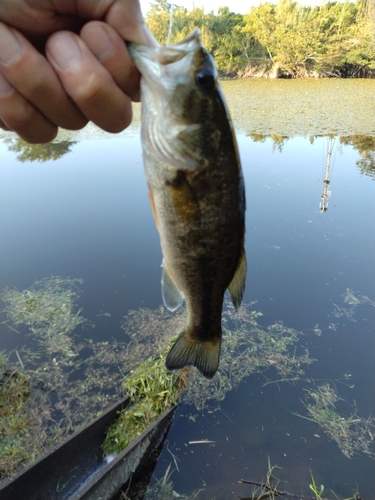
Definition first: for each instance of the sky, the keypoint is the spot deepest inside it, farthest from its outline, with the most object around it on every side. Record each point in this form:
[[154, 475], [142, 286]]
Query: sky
[[238, 6]]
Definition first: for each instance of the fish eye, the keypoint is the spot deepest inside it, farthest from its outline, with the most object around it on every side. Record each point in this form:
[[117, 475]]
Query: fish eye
[[205, 79]]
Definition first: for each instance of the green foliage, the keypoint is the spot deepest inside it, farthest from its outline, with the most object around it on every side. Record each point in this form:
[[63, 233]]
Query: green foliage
[[38, 152], [152, 389], [14, 419], [48, 309], [65, 381], [325, 39], [248, 348], [85, 377], [283, 39], [318, 491], [365, 145], [353, 434]]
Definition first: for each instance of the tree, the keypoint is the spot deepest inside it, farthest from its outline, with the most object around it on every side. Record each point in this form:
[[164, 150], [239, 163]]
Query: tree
[[334, 39], [38, 152]]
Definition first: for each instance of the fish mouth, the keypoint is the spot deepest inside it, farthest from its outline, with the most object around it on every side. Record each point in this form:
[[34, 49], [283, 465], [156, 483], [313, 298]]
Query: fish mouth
[[152, 62], [176, 123]]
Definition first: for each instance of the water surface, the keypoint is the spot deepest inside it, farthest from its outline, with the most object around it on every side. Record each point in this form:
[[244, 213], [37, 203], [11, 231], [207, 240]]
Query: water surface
[[86, 215]]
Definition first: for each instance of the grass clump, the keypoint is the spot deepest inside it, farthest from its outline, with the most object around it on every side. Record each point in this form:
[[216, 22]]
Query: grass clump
[[152, 389], [353, 434], [21, 438], [47, 308], [248, 348], [14, 390], [65, 381]]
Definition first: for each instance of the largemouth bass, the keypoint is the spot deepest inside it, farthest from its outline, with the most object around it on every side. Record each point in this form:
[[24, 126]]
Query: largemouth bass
[[196, 191]]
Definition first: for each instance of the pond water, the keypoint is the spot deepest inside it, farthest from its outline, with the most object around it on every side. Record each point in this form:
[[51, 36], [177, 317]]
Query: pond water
[[310, 250]]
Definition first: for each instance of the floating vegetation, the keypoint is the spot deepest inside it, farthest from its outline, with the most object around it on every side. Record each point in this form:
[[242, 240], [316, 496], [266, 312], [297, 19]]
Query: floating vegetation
[[356, 299], [269, 489], [353, 434], [66, 381], [353, 299], [61, 382], [47, 308], [248, 348], [163, 488], [52, 388]]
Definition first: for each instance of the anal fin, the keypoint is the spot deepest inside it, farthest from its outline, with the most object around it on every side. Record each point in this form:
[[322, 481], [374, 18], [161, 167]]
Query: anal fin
[[237, 285], [172, 297]]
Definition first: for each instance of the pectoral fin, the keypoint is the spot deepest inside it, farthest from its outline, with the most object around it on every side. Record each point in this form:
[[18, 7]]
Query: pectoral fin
[[172, 297], [237, 285]]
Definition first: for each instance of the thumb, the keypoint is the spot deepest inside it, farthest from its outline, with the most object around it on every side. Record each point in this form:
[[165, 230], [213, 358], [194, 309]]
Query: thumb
[[127, 19]]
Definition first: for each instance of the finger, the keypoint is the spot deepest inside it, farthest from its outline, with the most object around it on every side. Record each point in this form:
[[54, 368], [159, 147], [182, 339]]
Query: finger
[[17, 114], [109, 48], [88, 83], [33, 77], [3, 126], [126, 17]]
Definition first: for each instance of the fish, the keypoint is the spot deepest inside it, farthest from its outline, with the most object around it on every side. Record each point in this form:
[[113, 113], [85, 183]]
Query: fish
[[196, 191]]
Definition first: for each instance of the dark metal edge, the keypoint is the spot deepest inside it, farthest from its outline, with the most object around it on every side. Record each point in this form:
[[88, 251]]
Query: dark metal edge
[[71, 462], [108, 481]]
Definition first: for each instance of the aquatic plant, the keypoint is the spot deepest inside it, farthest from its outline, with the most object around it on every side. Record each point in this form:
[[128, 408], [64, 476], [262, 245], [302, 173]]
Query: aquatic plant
[[85, 376], [22, 411], [47, 308], [152, 389], [353, 299], [353, 434], [248, 348], [61, 381]]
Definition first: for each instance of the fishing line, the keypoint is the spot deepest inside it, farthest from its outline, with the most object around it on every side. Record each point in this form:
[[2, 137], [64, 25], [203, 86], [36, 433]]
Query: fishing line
[[170, 23]]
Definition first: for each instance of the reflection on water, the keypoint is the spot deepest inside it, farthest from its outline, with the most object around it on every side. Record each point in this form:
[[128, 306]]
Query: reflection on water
[[38, 152], [326, 182], [309, 271]]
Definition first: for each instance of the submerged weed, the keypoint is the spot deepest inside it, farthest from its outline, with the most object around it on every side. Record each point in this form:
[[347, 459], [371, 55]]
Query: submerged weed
[[62, 382], [70, 382], [353, 434], [47, 308], [248, 348]]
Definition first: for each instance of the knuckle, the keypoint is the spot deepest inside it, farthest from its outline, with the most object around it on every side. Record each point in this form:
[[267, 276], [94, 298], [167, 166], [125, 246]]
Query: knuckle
[[17, 116], [21, 117], [91, 89]]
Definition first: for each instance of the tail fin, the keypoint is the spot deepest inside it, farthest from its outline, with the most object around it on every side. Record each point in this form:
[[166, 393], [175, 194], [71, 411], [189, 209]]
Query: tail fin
[[204, 355]]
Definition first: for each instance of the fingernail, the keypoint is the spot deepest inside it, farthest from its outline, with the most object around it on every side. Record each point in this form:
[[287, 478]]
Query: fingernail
[[101, 44], [5, 87], [10, 47], [64, 50]]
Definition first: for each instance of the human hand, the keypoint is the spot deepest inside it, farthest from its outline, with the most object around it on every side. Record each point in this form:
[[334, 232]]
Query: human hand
[[63, 63]]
